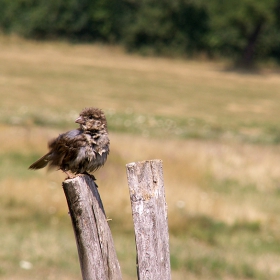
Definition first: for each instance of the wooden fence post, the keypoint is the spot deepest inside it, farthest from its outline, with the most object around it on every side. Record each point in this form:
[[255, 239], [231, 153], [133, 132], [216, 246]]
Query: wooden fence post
[[98, 259], [149, 211]]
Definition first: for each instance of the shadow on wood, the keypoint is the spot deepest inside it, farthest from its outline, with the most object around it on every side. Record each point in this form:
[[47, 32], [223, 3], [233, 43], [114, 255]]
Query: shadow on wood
[[97, 255]]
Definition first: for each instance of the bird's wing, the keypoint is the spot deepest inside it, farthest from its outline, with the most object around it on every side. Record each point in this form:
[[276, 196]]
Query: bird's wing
[[65, 148], [41, 162]]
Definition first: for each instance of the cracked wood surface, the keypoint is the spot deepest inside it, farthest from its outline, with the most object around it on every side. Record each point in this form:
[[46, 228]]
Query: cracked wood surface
[[97, 255], [149, 211]]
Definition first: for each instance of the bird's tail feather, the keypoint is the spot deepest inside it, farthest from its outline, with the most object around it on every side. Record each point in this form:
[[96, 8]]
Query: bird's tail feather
[[40, 163]]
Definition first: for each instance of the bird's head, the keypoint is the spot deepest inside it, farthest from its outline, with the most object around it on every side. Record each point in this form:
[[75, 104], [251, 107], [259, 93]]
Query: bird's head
[[92, 119]]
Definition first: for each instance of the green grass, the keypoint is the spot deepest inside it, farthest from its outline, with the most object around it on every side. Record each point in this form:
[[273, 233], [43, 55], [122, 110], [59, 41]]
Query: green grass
[[216, 131], [17, 163], [38, 237], [219, 267], [146, 124]]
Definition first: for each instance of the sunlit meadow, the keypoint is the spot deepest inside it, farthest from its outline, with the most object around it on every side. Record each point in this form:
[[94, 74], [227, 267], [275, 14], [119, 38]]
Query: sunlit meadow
[[216, 131]]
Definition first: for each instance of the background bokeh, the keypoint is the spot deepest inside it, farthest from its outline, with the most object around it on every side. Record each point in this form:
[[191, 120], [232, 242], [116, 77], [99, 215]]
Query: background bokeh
[[195, 90], [243, 31]]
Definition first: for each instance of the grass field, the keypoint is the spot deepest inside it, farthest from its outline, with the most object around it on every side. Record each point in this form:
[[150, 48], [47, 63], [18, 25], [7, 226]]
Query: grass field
[[216, 131]]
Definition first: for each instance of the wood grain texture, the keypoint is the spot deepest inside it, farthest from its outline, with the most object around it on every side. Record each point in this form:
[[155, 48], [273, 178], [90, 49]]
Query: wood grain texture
[[149, 210], [97, 255]]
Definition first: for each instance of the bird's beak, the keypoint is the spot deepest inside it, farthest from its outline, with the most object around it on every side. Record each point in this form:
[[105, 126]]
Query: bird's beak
[[79, 120]]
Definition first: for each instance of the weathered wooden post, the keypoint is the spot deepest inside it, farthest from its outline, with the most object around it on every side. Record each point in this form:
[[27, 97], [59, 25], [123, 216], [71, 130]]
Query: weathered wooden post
[[149, 211], [98, 259]]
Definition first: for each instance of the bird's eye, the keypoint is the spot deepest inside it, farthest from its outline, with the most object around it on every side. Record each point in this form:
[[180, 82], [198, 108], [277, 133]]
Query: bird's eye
[[90, 117]]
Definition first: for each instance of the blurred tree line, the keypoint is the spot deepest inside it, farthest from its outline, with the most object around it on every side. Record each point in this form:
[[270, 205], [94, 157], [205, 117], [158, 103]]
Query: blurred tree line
[[245, 31]]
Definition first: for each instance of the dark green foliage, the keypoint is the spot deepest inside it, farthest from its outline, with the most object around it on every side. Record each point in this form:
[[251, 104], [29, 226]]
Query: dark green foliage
[[40, 19], [158, 24], [167, 26], [244, 31], [73, 19], [108, 19]]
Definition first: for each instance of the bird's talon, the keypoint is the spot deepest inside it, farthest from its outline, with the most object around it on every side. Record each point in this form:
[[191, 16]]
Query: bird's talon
[[69, 175]]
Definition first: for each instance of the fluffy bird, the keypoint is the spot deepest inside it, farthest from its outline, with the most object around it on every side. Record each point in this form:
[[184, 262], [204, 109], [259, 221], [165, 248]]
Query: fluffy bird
[[82, 150]]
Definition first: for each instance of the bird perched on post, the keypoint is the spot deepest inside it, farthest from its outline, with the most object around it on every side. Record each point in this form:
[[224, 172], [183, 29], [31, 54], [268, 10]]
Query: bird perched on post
[[82, 150]]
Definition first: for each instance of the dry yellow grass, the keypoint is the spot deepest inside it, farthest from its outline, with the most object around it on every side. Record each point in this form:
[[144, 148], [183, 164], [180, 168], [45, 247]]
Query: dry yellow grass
[[53, 79], [187, 192], [186, 167], [225, 180]]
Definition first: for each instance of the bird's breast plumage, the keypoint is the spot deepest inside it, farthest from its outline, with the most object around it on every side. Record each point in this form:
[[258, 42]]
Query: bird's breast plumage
[[79, 152]]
